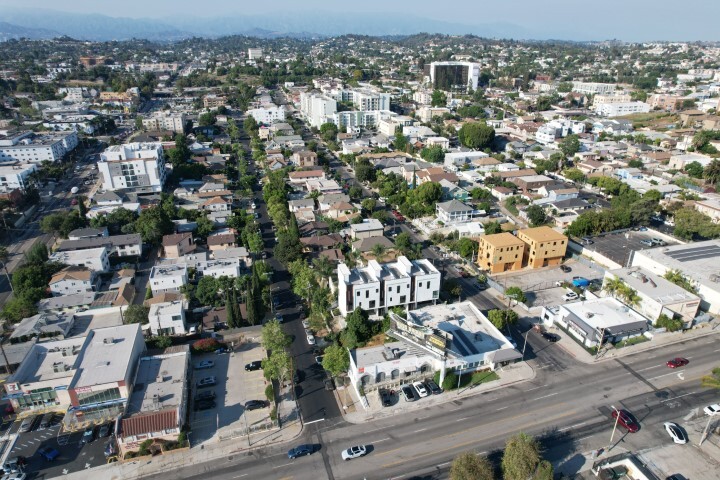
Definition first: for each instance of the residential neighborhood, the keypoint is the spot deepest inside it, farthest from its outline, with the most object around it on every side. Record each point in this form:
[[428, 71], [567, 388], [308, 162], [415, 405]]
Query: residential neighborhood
[[436, 255]]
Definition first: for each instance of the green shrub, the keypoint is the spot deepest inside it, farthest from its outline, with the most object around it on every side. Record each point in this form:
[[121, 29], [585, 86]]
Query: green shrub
[[270, 392], [144, 446], [670, 324], [182, 439], [273, 414], [206, 345]]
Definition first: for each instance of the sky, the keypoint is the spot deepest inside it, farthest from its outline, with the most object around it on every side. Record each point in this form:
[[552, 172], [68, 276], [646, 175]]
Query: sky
[[622, 19]]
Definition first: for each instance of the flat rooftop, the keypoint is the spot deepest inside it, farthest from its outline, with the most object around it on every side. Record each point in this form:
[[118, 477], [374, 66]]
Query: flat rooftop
[[653, 286], [504, 239], [471, 331], [162, 375], [50, 361], [373, 355], [699, 261], [542, 234], [107, 355], [604, 313]]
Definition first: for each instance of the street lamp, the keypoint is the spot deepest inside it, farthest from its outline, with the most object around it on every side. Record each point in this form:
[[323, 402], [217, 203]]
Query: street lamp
[[524, 346], [617, 418], [707, 427]]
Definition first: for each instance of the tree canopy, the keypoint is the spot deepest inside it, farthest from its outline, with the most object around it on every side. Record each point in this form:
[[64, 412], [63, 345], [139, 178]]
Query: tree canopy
[[476, 135]]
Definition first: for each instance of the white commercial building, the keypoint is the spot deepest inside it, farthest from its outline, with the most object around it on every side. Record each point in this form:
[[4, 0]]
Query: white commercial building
[[456, 337], [620, 109], [15, 177], [379, 287], [97, 259], [608, 99], [167, 318], [175, 122], [268, 114], [316, 108], [255, 53], [133, 166], [168, 278], [593, 88], [698, 262], [226, 267], [26, 146], [454, 76], [601, 320], [658, 296], [365, 99]]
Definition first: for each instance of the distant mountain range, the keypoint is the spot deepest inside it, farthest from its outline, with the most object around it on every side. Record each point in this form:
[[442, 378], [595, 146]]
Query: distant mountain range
[[41, 24]]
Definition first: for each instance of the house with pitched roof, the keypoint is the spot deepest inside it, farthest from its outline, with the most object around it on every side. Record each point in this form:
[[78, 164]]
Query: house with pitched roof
[[74, 279]]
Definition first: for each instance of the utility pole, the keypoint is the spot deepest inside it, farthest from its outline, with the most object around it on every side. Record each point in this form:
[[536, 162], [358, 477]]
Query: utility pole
[[602, 337], [524, 345], [705, 431], [617, 418]]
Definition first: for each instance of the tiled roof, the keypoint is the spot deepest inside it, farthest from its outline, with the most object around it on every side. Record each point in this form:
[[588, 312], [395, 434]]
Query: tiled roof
[[170, 240], [149, 422], [72, 273]]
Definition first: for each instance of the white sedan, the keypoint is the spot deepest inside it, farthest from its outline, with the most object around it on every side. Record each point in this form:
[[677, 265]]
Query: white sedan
[[712, 409], [311, 340], [675, 432], [422, 391], [354, 452]]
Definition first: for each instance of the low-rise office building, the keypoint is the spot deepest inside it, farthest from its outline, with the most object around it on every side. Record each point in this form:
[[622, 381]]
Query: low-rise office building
[[28, 147], [545, 246], [15, 176], [378, 287], [500, 252]]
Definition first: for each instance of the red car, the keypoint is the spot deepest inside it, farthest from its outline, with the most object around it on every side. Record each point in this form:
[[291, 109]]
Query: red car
[[625, 420], [677, 362], [398, 216]]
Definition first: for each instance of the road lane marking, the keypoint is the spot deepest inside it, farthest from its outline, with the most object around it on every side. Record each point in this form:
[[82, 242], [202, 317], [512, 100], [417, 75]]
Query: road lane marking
[[546, 396], [573, 426], [503, 408], [531, 389], [679, 396], [664, 375], [650, 368], [381, 440], [283, 465], [240, 476], [315, 421], [420, 430]]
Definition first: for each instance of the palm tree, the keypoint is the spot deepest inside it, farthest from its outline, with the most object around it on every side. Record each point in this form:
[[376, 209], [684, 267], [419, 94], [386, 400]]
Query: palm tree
[[378, 250], [323, 268], [712, 172], [613, 286]]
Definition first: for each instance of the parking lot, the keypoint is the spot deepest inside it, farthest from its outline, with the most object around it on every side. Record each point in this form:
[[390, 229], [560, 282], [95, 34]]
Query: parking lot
[[75, 455], [234, 388], [618, 246]]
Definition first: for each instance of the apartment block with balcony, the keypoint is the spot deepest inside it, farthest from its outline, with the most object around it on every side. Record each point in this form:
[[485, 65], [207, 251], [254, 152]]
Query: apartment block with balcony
[[501, 252], [545, 246], [378, 287], [133, 167]]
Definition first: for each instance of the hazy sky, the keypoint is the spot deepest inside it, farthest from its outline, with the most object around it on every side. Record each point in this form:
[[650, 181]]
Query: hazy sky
[[660, 19]]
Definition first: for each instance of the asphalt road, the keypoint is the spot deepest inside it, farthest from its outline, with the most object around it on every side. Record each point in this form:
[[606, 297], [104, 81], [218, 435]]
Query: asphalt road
[[568, 409]]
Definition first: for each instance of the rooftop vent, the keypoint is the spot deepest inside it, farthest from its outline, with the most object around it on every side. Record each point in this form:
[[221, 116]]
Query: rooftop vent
[[108, 341]]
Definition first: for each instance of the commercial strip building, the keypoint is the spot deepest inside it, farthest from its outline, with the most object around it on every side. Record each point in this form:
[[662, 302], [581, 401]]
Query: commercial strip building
[[133, 167], [592, 320], [698, 262], [455, 337], [28, 147], [87, 378], [378, 287], [532, 247]]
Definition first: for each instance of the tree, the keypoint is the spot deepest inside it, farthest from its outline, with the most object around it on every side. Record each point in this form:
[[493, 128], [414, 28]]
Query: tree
[[470, 466], [434, 154], [521, 457], [694, 169], [336, 360], [400, 142], [153, 223], [669, 324], [205, 226], [712, 172], [515, 293], [453, 288], [677, 277], [466, 247], [574, 175], [476, 135], [18, 308], [712, 380], [544, 471], [536, 215], [328, 131], [438, 99], [287, 249], [478, 193], [51, 224], [502, 318], [365, 171], [368, 204], [38, 254], [277, 366], [357, 331], [273, 337], [570, 145], [207, 119], [493, 227], [378, 250], [136, 314], [206, 291]]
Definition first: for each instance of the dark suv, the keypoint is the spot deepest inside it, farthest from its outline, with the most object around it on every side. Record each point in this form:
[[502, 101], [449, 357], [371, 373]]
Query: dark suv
[[385, 397], [252, 366]]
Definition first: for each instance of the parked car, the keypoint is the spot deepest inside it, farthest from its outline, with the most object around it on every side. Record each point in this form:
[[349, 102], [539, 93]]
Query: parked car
[[205, 364], [110, 449], [550, 337], [329, 384], [104, 430], [676, 433], [300, 451], [15, 476], [646, 242], [319, 359], [677, 362], [205, 405], [580, 282], [565, 268], [255, 404], [222, 351], [433, 387], [354, 452], [409, 393], [205, 395], [625, 420], [47, 420], [306, 323], [89, 435], [279, 318], [570, 296], [385, 397], [310, 339], [26, 424], [421, 390], [659, 242], [587, 241], [48, 453], [207, 382], [14, 464], [713, 409], [252, 366]]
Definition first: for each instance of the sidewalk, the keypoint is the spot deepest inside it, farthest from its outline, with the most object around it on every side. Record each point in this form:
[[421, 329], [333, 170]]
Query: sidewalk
[[509, 375], [223, 444]]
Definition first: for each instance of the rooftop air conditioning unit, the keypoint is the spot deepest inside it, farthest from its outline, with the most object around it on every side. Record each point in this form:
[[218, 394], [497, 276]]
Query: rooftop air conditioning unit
[[108, 341]]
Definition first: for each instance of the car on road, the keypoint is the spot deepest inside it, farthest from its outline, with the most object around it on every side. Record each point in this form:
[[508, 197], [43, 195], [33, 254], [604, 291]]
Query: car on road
[[48, 453], [354, 452], [204, 365], [385, 397], [713, 409], [409, 393], [565, 268], [676, 433], [433, 387], [659, 242], [677, 362], [310, 339], [624, 419], [550, 337], [397, 216], [104, 430], [421, 390], [207, 382], [89, 435], [205, 395], [252, 366], [204, 405], [300, 451], [255, 404], [570, 296]]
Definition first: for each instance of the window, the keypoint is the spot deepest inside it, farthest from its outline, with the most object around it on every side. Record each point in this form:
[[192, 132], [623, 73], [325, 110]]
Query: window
[[358, 294], [367, 293], [402, 298], [397, 290]]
